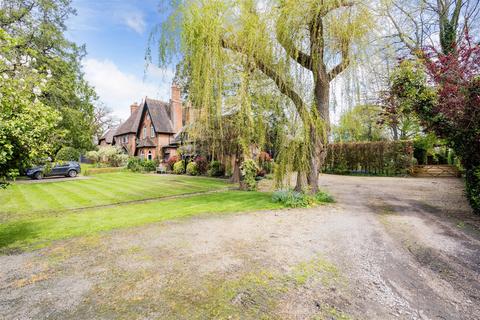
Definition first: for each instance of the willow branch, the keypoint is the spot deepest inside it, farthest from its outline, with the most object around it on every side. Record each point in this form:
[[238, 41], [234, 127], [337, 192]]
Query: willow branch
[[339, 68], [270, 72]]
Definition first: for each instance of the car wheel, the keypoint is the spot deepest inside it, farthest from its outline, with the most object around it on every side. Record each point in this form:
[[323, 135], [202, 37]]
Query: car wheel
[[39, 175], [72, 173]]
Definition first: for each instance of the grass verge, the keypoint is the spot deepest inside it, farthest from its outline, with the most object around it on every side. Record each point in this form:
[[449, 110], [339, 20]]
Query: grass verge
[[39, 232]]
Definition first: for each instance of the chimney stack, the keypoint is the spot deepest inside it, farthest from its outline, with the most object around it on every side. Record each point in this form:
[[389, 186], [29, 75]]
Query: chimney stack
[[176, 108], [133, 107]]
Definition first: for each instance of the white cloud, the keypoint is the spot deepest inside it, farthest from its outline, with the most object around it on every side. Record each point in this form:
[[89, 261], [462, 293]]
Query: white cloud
[[118, 90], [136, 22]]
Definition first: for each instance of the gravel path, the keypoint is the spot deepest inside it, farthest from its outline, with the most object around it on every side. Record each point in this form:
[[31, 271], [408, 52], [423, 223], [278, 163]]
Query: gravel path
[[390, 248]]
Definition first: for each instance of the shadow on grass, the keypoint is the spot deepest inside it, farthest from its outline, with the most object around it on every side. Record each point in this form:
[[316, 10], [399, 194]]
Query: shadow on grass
[[15, 232]]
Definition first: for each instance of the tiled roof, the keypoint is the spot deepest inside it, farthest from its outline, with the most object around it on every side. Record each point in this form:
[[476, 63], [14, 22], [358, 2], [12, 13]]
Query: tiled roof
[[132, 123], [160, 115], [108, 135]]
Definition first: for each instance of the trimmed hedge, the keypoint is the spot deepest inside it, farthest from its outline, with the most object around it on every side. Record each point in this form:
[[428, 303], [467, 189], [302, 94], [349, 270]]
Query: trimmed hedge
[[384, 158], [94, 171]]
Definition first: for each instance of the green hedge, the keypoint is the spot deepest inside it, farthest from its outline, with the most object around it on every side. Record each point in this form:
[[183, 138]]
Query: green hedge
[[93, 171], [384, 158]]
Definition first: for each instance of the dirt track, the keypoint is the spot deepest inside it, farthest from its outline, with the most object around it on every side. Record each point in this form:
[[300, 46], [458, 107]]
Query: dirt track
[[390, 248]]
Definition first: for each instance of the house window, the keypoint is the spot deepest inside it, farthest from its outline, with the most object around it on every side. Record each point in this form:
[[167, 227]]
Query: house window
[[144, 132], [149, 154], [125, 139], [152, 132]]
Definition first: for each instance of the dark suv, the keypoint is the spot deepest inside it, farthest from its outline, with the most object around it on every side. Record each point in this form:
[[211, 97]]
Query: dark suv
[[68, 169]]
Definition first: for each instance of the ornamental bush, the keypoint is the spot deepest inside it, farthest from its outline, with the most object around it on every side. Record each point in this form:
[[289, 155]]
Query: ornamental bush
[[216, 169], [192, 169], [149, 165], [134, 164], [202, 164], [179, 167], [67, 154], [171, 161], [249, 171]]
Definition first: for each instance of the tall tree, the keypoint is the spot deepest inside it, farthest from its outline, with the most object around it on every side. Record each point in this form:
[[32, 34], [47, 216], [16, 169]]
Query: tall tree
[[39, 27], [299, 46], [422, 23]]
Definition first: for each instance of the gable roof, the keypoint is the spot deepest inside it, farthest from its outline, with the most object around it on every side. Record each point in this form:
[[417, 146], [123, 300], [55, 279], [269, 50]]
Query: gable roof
[[160, 115], [108, 135]]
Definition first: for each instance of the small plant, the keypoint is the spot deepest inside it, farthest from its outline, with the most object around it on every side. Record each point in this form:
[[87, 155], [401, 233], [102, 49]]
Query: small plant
[[67, 154], [216, 169], [192, 169], [295, 199], [323, 197], [179, 167], [249, 172]]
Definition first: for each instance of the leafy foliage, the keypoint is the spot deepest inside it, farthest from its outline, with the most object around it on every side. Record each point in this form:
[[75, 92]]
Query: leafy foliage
[[235, 51], [171, 161], [202, 164], [295, 199], [37, 28], [360, 124], [192, 169], [136, 164], [216, 169], [450, 109], [67, 154], [179, 167], [375, 158], [28, 127], [249, 171]]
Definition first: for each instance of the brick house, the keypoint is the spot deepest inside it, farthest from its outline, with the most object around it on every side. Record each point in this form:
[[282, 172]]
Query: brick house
[[153, 129]]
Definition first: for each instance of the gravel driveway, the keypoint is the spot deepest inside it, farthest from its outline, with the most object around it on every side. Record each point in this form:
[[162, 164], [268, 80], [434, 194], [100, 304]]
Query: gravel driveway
[[390, 248]]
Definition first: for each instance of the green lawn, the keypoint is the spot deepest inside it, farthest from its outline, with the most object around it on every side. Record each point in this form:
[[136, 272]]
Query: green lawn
[[20, 201], [36, 214]]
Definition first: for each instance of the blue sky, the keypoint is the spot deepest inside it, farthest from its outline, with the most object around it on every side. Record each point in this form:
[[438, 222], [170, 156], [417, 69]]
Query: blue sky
[[116, 34]]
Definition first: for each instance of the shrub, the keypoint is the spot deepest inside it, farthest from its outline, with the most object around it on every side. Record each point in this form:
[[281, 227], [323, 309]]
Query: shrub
[[216, 169], [113, 156], [171, 161], [294, 199], [323, 197], [93, 156], [134, 164], [249, 172], [192, 168], [137, 165], [149, 165], [202, 164], [67, 154], [375, 158], [179, 167]]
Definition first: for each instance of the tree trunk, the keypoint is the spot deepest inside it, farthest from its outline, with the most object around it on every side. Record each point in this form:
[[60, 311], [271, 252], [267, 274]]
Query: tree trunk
[[318, 138], [301, 182], [236, 177]]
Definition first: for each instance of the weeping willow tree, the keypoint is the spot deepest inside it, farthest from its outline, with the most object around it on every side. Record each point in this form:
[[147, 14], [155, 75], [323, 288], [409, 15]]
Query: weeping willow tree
[[299, 46]]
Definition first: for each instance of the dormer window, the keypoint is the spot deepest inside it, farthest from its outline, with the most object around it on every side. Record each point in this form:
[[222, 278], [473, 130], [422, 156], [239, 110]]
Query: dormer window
[[152, 132]]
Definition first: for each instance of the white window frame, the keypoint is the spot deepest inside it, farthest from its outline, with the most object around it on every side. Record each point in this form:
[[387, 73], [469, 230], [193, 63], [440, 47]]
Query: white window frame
[[144, 132], [152, 131], [149, 155]]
